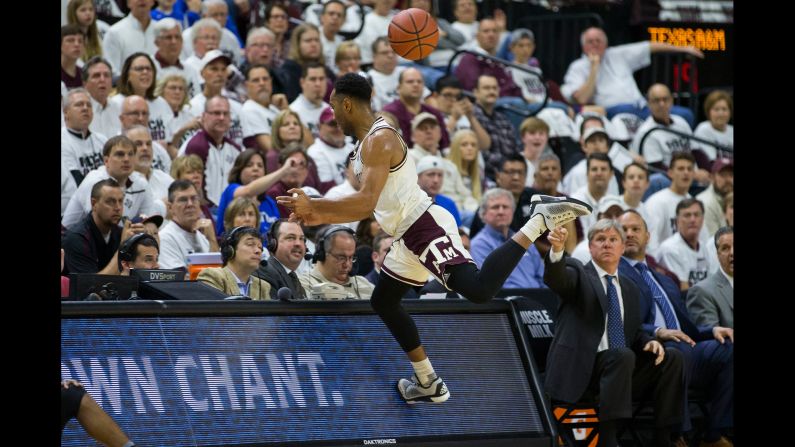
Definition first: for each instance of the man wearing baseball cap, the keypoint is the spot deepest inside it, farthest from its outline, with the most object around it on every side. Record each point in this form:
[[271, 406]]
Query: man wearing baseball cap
[[430, 176], [426, 134], [330, 151], [213, 70], [713, 197]]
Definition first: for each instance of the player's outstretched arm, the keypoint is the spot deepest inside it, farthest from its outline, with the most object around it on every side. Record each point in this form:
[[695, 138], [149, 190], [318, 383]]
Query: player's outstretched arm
[[380, 151]]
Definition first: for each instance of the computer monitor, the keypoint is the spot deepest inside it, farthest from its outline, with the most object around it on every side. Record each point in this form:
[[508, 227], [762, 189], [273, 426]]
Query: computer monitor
[[158, 274], [109, 287]]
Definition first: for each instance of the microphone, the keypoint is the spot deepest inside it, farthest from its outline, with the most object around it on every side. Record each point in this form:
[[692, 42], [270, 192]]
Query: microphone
[[284, 294], [308, 256], [263, 263]]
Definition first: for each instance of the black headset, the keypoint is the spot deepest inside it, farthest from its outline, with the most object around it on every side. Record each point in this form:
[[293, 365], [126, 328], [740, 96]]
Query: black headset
[[127, 247], [273, 235], [320, 249], [230, 241]]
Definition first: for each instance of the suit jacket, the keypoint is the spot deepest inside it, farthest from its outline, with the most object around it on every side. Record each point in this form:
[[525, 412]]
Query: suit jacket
[[273, 272], [581, 323], [223, 280], [648, 309], [711, 301]]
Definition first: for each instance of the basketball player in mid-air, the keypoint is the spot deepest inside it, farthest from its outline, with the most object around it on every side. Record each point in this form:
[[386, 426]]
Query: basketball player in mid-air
[[425, 235]]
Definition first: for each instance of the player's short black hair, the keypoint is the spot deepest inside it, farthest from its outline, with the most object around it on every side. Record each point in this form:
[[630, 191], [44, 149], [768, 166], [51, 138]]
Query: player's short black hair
[[354, 85]]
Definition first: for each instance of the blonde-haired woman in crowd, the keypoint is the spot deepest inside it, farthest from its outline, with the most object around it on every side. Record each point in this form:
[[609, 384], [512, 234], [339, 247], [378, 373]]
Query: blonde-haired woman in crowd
[[83, 14], [463, 154], [174, 89]]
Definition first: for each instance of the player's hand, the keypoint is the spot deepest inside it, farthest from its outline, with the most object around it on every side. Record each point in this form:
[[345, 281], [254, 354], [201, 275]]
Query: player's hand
[[655, 348], [557, 238], [674, 335], [301, 206]]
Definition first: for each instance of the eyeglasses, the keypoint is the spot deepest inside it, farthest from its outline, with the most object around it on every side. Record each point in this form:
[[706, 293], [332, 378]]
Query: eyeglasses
[[184, 200], [141, 68], [342, 258]]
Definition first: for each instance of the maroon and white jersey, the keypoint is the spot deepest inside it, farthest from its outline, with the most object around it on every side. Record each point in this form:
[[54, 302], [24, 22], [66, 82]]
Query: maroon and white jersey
[[401, 201], [218, 161]]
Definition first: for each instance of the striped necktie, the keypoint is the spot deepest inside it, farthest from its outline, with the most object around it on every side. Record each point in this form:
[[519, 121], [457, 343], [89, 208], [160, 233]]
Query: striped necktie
[[659, 296]]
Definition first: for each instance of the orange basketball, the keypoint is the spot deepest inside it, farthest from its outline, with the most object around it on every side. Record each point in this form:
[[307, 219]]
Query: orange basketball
[[413, 34]]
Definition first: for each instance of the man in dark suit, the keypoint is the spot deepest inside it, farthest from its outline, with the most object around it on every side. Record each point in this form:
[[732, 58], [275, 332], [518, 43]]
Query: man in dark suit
[[599, 345], [708, 357], [287, 246], [711, 301]]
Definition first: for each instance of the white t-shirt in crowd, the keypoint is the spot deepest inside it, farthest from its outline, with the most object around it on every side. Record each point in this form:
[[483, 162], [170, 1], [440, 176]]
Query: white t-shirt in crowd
[[577, 177], [309, 112], [257, 119], [176, 244], [585, 196], [126, 37], [688, 264], [137, 197], [106, 119], [706, 131], [659, 145], [330, 160], [375, 26], [615, 81], [81, 154]]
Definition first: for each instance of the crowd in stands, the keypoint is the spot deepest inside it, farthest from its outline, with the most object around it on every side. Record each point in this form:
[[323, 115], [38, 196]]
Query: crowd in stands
[[185, 120]]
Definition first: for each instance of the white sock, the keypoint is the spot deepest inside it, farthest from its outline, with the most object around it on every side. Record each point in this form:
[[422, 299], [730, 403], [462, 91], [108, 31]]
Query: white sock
[[424, 371], [534, 227]]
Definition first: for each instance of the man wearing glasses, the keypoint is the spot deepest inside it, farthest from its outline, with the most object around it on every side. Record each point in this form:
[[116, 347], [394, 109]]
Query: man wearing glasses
[[335, 256], [213, 145], [186, 233]]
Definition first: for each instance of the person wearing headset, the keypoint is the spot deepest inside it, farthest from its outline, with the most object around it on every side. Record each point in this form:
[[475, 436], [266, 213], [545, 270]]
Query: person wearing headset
[[241, 251], [287, 246], [334, 260], [139, 252]]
